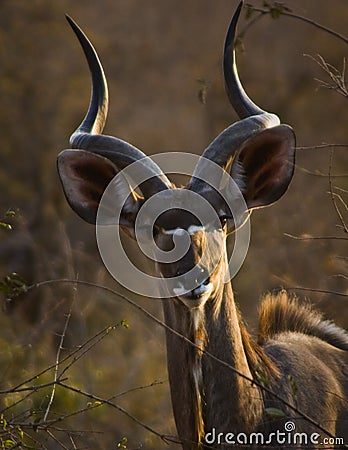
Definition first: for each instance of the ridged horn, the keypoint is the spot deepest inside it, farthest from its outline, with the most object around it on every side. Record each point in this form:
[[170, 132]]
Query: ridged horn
[[88, 135], [254, 119]]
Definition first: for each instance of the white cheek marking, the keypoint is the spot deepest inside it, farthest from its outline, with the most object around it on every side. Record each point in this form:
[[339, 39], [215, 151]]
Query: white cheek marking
[[175, 230], [181, 231], [194, 228]]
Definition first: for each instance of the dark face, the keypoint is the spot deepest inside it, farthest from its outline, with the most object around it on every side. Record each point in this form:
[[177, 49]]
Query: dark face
[[196, 275]]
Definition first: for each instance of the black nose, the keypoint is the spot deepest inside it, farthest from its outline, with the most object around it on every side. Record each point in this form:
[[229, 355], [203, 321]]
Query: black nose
[[199, 291]]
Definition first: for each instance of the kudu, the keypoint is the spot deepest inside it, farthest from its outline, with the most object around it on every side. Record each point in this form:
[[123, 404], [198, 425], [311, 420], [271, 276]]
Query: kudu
[[224, 383]]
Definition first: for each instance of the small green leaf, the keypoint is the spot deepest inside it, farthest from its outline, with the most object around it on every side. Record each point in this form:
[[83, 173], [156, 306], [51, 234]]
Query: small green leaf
[[122, 443], [10, 213], [13, 285], [19, 431], [94, 404], [124, 323], [292, 383], [262, 376], [5, 225], [3, 422], [274, 413]]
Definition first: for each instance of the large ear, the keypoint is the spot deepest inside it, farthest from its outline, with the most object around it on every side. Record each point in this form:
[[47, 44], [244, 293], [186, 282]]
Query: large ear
[[85, 176], [263, 167]]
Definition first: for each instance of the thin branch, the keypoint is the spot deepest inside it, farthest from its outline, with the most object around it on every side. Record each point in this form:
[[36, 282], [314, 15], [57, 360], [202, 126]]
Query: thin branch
[[345, 191], [56, 440], [338, 82], [320, 291], [344, 258], [100, 401], [108, 402], [56, 368], [101, 334], [83, 350], [250, 23], [29, 388], [321, 146], [138, 388], [318, 173], [284, 12], [340, 198], [333, 198], [341, 275], [316, 238]]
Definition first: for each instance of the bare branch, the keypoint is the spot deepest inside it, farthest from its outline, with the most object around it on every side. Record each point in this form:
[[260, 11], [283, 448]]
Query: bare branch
[[321, 146], [340, 198], [333, 198], [164, 437], [320, 291], [337, 78], [60, 347], [275, 12], [316, 238]]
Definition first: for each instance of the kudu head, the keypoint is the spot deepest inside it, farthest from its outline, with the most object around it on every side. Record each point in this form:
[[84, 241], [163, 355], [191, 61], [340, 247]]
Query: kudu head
[[257, 152]]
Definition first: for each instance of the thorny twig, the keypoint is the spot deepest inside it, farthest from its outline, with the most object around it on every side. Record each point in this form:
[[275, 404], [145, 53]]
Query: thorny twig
[[56, 368]]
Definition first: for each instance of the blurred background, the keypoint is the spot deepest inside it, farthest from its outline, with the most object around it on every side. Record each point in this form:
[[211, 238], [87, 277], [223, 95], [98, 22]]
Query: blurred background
[[163, 65]]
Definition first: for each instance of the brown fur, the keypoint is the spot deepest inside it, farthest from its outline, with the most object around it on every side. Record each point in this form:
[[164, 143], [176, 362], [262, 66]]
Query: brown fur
[[281, 313], [259, 362]]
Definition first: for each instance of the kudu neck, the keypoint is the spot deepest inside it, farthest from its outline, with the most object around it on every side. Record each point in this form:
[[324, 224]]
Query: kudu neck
[[227, 387], [203, 388]]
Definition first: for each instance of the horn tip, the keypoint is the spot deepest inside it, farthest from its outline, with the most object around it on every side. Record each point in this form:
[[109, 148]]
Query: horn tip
[[233, 25], [70, 19], [77, 30]]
